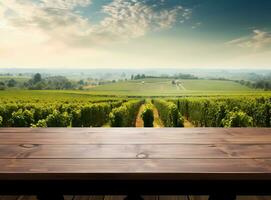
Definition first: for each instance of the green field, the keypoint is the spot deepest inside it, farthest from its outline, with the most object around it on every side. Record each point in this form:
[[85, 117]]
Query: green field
[[203, 103], [19, 79], [137, 88], [48, 96], [164, 87]]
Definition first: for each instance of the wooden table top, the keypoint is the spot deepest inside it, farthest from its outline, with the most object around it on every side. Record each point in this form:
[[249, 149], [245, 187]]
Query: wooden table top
[[135, 154]]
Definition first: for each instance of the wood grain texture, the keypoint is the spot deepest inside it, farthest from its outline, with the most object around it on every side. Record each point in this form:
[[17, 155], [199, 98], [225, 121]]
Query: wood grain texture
[[134, 169], [166, 151], [135, 154], [173, 198], [145, 198], [135, 136]]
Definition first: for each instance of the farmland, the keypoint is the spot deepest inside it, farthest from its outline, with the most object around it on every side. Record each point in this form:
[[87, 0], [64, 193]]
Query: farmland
[[16, 78], [164, 87], [200, 103]]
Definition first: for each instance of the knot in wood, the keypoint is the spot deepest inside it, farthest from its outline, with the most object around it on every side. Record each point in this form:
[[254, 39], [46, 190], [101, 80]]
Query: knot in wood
[[28, 146], [141, 155]]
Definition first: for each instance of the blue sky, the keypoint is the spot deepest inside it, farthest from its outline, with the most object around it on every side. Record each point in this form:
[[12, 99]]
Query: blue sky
[[135, 33]]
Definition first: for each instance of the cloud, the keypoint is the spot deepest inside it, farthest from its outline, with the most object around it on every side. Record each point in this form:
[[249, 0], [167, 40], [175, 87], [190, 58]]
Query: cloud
[[43, 15], [59, 20], [258, 40], [64, 4], [135, 18]]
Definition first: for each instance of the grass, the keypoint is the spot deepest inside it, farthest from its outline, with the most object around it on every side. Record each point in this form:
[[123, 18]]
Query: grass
[[51, 96], [137, 88], [164, 87]]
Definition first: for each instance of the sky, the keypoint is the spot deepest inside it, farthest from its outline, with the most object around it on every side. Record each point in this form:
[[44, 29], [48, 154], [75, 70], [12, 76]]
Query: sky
[[134, 34]]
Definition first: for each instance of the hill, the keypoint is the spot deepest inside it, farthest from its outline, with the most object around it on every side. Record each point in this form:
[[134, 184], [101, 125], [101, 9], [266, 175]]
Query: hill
[[170, 87]]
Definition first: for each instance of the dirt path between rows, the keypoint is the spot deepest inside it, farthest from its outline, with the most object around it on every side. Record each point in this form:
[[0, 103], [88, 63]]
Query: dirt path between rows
[[139, 120], [157, 121], [188, 124]]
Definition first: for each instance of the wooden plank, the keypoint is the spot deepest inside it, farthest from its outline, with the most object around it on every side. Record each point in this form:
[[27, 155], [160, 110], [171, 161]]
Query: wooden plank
[[195, 132], [253, 198], [114, 197], [173, 198], [81, 198], [9, 197], [134, 169], [27, 198], [145, 198], [96, 197], [135, 136], [238, 198], [198, 197], [135, 151], [85, 197], [201, 131], [150, 197]]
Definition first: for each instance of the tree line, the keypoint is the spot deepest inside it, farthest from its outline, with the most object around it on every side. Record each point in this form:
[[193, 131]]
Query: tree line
[[176, 76], [37, 82], [264, 84]]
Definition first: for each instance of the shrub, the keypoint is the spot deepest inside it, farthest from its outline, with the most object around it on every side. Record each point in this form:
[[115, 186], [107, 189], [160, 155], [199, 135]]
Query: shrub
[[76, 118], [237, 119], [57, 119], [41, 123], [22, 118], [1, 121], [95, 115]]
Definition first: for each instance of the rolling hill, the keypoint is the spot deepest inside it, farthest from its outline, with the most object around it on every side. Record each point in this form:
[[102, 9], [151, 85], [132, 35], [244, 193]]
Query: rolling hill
[[165, 87]]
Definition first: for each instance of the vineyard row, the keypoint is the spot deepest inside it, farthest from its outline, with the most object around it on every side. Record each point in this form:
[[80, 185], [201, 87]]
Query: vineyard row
[[201, 112]]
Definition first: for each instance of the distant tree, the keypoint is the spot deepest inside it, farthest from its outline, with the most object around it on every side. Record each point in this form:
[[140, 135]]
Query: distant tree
[[185, 76], [67, 85], [132, 77], [11, 83], [37, 78], [39, 86], [136, 77], [2, 86], [81, 82], [139, 76]]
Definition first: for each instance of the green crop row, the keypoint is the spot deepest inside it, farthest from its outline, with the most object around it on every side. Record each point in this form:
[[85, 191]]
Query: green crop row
[[169, 113], [227, 112], [56, 115], [125, 115]]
